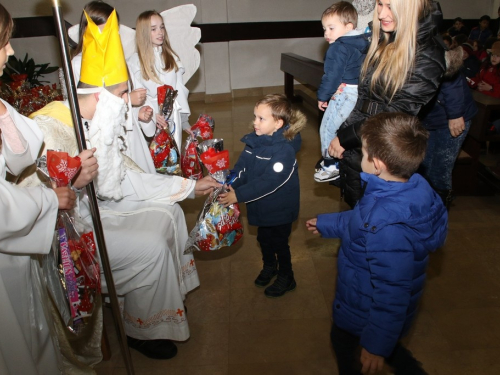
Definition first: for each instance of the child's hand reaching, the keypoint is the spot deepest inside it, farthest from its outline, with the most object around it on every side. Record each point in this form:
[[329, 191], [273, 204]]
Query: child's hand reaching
[[371, 363], [228, 198], [322, 105], [311, 225]]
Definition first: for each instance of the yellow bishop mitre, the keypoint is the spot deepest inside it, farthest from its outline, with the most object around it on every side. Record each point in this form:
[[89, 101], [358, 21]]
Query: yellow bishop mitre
[[103, 61]]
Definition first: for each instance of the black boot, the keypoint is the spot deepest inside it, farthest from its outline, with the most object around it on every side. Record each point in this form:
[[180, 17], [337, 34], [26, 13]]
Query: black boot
[[282, 284], [155, 349], [265, 276]]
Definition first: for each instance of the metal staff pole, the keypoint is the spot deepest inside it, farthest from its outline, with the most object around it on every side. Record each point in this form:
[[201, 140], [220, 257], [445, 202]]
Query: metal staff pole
[[92, 197]]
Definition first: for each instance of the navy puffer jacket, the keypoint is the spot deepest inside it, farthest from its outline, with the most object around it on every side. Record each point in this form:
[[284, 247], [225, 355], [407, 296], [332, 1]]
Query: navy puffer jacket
[[268, 178], [386, 240]]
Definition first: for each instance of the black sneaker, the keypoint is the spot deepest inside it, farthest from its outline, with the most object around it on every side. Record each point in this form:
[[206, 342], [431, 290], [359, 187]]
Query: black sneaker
[[265, 276], [281, 285], [155, 349]]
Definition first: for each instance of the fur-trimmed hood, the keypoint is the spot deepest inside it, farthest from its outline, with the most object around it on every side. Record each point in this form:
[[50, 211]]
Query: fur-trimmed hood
[[297, 123], [454, 61]]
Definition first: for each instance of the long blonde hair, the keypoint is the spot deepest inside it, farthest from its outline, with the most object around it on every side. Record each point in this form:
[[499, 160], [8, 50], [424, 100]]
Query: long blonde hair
[[394, 59], [145, 48]]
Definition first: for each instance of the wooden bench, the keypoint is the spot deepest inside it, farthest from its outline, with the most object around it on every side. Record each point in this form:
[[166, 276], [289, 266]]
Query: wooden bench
[[307, 71]]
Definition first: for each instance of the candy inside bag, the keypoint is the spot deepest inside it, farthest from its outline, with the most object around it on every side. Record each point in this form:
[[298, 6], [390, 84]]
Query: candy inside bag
[[217, 226], [204, 127], [214, 158], [165, 154], [191, 167], [163, 148], [71, 268]]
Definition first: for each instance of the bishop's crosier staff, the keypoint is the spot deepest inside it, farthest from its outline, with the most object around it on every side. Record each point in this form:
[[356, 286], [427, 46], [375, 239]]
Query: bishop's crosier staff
[[94, 208]]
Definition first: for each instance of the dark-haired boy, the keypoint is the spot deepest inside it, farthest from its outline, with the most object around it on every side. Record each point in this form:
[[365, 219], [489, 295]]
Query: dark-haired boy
[[481, 32], [386, 240]]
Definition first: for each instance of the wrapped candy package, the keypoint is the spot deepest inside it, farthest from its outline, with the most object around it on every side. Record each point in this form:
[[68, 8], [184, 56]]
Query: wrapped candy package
[[217, 226], [71, 268], [191, 167], [163, 149], [204, 127]]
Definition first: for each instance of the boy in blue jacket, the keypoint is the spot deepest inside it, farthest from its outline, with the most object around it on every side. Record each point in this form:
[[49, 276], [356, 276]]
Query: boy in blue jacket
[[338, 91], [268, 182], [386, 241]]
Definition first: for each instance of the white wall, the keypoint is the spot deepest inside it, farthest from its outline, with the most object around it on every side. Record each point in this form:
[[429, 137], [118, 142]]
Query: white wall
[[224, 66]]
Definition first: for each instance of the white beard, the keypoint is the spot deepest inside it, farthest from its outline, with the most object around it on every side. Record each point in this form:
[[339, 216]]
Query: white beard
[[107, 135]]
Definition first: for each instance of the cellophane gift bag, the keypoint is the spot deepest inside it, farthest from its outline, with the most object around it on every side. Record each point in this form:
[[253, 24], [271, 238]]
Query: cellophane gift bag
[[217, 226], [163, 149], [204, 127], [190, 164], [71, 268]]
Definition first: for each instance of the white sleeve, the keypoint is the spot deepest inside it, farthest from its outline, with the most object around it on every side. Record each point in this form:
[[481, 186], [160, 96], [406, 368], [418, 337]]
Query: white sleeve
[[28, 219]]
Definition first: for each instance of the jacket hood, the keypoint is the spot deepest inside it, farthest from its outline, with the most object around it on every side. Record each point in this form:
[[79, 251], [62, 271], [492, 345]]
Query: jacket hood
[[289, 133], [297, 123], [356, 39], [414, 203], [454, 61]]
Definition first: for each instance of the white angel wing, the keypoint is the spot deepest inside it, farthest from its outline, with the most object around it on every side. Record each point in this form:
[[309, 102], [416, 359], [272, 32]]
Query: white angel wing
[[183, 37], [127, 36]]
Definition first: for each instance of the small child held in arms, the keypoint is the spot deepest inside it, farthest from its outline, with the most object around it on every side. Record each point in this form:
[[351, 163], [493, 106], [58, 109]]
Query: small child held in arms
[[338, 91], [386, 241], [268, 182]]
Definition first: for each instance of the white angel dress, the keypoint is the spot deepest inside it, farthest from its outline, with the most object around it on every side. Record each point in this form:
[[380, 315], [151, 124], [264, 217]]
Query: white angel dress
[[28, 220], [145, 232], [183, 39]]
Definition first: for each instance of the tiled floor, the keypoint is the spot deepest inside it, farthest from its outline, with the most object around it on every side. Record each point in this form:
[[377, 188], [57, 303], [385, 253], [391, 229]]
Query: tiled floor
[[236, 330]]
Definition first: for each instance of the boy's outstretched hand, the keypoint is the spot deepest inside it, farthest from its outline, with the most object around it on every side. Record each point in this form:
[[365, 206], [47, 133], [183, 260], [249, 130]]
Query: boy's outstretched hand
[[311, 225], [371, 363], [228, 198]]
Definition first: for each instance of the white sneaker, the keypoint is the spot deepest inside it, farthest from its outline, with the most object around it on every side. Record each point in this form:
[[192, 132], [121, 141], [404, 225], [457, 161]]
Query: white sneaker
[[322, 165], [326, 174]]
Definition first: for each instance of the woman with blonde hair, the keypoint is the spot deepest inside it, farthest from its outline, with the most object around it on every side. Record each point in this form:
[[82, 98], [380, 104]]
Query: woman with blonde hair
[[156, 64], [401, 73]]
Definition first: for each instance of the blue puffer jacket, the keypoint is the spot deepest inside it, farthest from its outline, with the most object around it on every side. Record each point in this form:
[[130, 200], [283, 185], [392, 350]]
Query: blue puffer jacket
[[386, 240], [268, 178], [343, 61]]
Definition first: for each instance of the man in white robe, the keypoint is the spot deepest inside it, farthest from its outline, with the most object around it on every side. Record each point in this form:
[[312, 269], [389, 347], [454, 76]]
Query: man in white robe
[[144, 227]]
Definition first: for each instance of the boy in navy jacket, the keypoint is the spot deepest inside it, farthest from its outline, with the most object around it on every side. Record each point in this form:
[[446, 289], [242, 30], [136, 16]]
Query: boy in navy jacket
[[386, 240], [338, 91], [268, 182]]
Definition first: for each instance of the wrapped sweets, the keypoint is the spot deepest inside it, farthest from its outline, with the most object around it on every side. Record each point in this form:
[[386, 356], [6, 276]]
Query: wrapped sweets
[[191, 167], [71, 268], [163, 149], [204, 127], [217, 226]]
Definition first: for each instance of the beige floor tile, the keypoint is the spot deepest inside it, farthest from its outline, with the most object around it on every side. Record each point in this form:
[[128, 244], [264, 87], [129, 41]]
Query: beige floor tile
[[279, 341], [324, 367]]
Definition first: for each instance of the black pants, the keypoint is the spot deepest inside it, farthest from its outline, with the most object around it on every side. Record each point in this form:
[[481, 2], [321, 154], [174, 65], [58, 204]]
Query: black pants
[[346, 347], [274, 245]]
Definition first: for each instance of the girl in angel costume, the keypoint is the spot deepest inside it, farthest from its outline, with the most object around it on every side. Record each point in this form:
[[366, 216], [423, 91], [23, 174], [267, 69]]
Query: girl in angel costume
[[158, 61], [141, 112]]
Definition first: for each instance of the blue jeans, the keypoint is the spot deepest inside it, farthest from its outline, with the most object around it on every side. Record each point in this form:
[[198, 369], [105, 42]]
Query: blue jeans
[[336, 113], [442, 152]]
